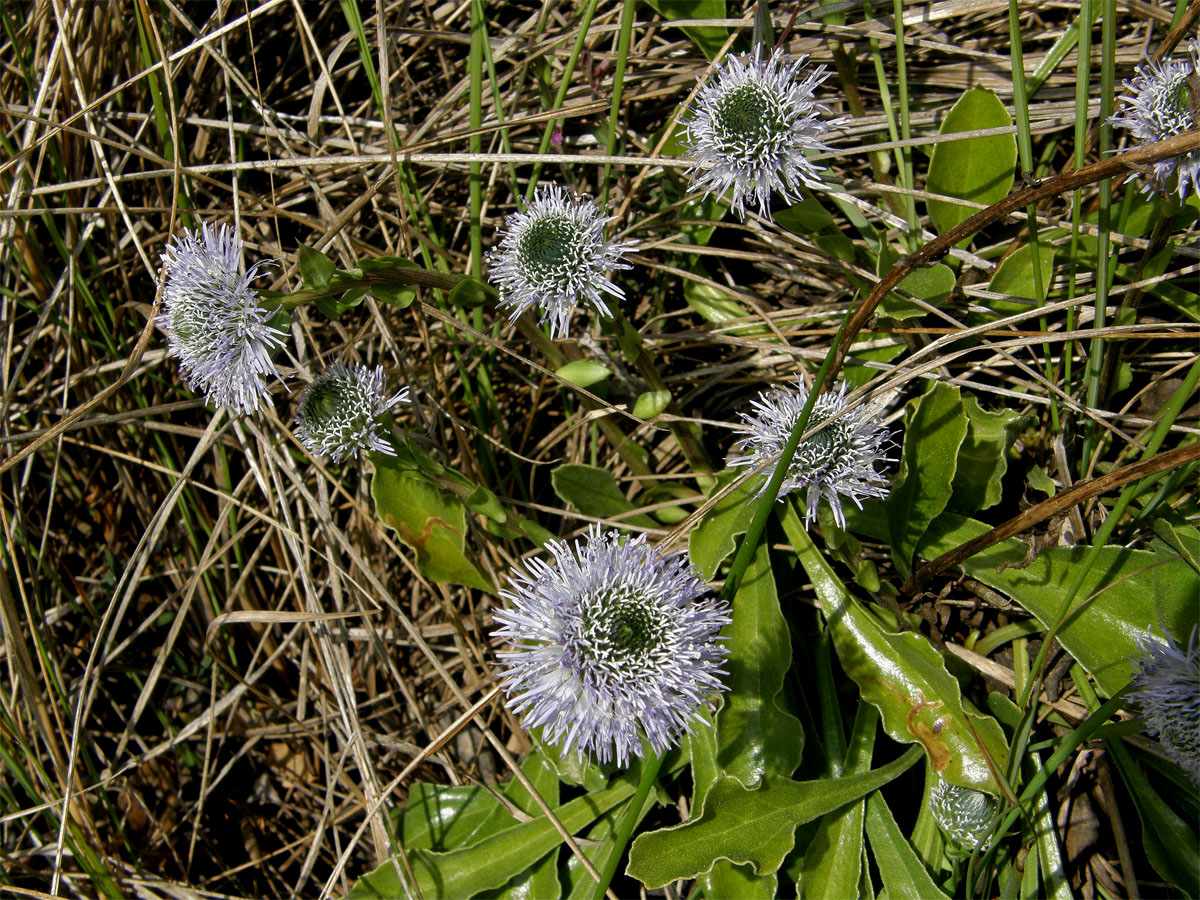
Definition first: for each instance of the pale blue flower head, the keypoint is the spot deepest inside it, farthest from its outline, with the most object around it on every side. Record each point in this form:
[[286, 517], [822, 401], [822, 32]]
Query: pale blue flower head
[[838, 461], [340, 412], [615, 645], [1167, 682], [751, 127], [552, 254], [963, 813], [213, 320], [1161, 101]]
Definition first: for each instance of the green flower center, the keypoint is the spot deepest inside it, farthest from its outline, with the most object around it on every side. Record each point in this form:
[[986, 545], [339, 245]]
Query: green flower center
[[823, 451], [548, 243], [321, 404], [749, 116], [620, 625], [1183, 97]]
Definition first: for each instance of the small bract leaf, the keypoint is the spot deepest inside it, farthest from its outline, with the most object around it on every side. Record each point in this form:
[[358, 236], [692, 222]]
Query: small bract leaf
[[400, 296], [651, 403], [583, 372], [315, 268]]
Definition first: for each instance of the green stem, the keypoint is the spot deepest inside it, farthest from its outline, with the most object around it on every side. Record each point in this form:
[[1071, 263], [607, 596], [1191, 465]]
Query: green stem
[[623, 40], [585, 21], [651, 765], [749, 543]]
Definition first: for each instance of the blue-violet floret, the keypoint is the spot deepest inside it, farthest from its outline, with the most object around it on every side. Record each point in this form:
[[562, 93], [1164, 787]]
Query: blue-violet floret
[[1167, 687], [838, 461], [751, 127], [1163, 100], [552, 254], [616, 645], [213, 321]]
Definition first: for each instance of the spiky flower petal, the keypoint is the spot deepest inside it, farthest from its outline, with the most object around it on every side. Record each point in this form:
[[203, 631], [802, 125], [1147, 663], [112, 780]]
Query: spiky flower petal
[[963, 813], [1167, 681], [838, 461], [552, 254], [339, 412], [213, 320], [615, 645], [751, 126], [1163, 100]]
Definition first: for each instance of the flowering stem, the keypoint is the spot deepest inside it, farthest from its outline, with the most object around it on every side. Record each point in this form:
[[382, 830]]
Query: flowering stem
[[341, 283], [651, 764], [749, 544]]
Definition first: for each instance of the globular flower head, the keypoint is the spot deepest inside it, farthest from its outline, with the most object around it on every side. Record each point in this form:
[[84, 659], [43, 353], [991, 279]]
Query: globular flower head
[[750, 127], [1167, 681], [552, 254], [838, 461], [340, 412], [1163, 100], [213, 319], [963, 813], [615, 645]]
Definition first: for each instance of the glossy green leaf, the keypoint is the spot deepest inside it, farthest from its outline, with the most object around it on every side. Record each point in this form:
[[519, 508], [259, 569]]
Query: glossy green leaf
[[714, 304], [807, 216], [904, 875], [708, 38], [1015, 277], [579, 883], [583, 372], [934, 427], [650, 403], [441, 817], [980, 169], [932, 284], [539, 881], [1179, 534], [1102, 635], [470, 293], [983, 456], [904, 678], [755, 735], [594, 492], [727, 881], [756, 827], [832, 865], [493, 861], [432, 524], [715, 537], [315, 268]]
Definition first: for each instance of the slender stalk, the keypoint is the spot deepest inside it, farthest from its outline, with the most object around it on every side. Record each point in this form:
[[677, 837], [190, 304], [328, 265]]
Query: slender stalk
[[651, 764], [624, 38], [475, 66], [906, 171], [1082, 92], [1095, 358], [585, 21], [1025, 149]]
